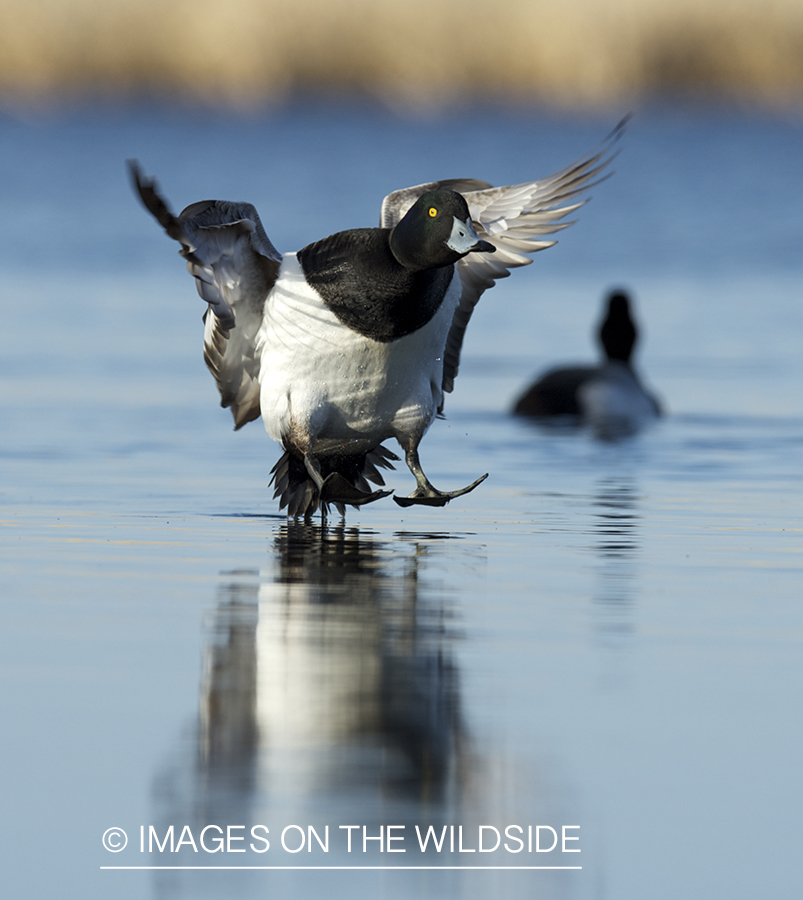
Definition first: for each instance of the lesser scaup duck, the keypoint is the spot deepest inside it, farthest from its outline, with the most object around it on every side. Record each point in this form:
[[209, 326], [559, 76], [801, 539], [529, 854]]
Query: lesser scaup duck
[[355, 338], [609, 397]]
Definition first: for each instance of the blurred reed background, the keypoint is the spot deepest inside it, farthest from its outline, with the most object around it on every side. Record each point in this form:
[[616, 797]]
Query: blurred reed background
[[578, 53]]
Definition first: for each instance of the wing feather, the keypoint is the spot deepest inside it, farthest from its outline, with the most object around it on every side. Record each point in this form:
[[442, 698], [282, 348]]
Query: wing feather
[[235, 266], [513, 218], [396, 205]]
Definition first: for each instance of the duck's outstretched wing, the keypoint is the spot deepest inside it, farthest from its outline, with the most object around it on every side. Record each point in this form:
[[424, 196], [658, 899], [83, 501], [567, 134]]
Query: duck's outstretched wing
[[235, 266], [514, 219]]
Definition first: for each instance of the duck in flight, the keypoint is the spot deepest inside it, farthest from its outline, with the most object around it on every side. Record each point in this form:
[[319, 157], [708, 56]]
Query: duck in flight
[[355, 338]]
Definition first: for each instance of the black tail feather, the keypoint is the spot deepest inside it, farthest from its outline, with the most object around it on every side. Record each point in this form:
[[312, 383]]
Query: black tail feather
[[298, 492]]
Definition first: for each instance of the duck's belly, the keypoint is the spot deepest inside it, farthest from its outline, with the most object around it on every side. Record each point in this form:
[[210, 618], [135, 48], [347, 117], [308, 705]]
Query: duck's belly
[[325, 386]]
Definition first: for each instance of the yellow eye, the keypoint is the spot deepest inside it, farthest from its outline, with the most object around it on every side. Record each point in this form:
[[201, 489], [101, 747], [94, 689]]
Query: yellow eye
[[433, 212]]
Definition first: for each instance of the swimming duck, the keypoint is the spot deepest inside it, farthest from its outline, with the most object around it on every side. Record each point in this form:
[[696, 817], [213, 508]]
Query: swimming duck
[[609, 397], [355, 338]]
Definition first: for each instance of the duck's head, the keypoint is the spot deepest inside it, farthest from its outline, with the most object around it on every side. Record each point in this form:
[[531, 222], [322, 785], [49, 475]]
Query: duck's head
[[436, 231]]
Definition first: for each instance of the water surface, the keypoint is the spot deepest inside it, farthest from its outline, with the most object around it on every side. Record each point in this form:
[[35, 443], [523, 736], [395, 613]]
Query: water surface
[[603, 635]]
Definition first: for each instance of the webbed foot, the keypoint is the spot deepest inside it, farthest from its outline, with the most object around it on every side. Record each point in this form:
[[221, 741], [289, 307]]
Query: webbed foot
[[336, 489], [427, 495]]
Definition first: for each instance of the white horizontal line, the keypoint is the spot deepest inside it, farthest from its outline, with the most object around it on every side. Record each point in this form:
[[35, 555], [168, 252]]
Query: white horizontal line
[[331, 868]]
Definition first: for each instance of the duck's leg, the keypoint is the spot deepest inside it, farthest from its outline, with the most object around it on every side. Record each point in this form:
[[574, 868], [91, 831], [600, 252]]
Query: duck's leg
[[336, 489], [425, 493]]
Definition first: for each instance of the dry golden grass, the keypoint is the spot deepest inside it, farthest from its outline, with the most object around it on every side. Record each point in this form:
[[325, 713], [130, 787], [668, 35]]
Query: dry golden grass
[[574, 52]]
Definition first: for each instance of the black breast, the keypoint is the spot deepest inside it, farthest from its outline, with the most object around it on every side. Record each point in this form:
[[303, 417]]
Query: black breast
[[360, 280]]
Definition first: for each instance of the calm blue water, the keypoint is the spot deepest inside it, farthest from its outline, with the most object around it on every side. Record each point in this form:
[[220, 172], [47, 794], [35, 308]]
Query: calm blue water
[[602, 635]]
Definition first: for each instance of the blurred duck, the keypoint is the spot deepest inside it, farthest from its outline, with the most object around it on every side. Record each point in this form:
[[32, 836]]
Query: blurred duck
[[608, 397]]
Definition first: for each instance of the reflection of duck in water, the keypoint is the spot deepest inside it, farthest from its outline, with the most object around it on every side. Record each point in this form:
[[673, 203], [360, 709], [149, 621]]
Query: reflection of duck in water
[[333, 677], [331, 695], [616, 522], [609, 397], [355, 679]]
